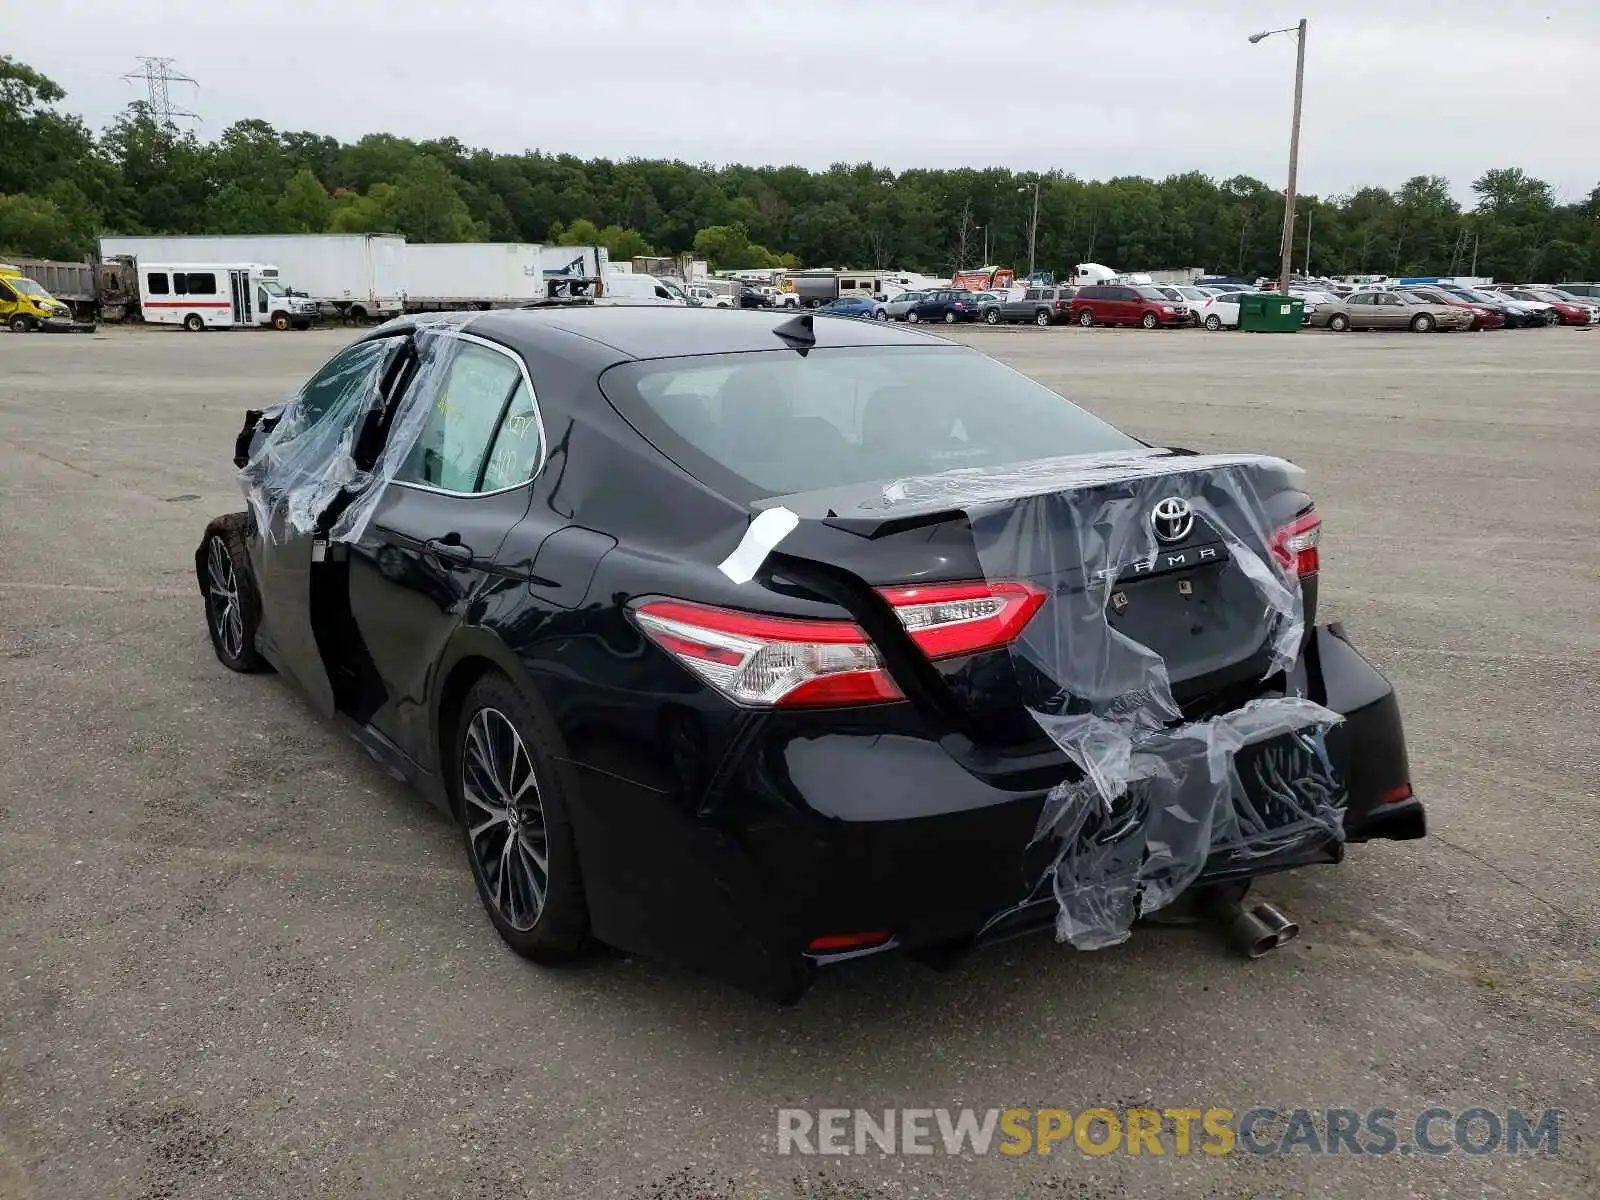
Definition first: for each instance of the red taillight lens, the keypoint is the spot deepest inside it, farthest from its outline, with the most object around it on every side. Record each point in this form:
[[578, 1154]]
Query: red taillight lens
[[766, 661], [947, 619], [1295, 544]]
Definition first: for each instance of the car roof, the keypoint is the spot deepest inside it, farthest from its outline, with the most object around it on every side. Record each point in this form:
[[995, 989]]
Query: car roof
[[666, 331]]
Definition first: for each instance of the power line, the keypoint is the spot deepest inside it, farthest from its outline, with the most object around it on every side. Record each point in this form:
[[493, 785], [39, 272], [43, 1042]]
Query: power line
[[158, 75]]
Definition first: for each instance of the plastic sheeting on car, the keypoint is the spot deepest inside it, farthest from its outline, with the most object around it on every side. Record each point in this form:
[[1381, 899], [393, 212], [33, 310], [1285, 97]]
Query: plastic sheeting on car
[[1159, 795], [307, 461]]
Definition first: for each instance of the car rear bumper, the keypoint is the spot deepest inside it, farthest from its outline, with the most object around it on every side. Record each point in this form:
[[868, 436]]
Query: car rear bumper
[[845, 833]]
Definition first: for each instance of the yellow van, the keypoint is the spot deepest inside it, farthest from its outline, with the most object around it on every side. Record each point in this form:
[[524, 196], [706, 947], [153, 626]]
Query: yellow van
[[25, 306]]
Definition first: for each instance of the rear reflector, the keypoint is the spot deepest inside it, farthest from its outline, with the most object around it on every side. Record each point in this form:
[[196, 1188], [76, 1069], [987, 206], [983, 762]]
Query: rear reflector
[[1295, 544], [1395, 795], [760, 660], [833, 943]]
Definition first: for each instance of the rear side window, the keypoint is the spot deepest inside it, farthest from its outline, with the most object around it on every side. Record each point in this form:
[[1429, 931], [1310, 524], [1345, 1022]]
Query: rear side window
[[195, 283], [156, 283], [774, 422], [450, 452]]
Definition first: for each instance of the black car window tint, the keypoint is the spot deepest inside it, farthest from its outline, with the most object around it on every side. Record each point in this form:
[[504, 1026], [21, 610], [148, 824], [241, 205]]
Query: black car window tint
[[449, 452], [514, 455], [779, 422], [6, 293]]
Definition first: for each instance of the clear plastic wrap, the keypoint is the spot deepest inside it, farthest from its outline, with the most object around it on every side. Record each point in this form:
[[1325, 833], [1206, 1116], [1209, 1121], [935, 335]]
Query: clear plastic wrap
[[1131, 609], [308, 460]]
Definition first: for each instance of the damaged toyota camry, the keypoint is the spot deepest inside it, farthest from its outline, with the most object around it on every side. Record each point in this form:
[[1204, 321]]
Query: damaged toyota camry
[[754, 643]]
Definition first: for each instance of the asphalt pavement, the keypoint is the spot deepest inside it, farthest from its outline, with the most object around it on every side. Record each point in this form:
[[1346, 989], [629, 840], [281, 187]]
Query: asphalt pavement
[[237, 959]]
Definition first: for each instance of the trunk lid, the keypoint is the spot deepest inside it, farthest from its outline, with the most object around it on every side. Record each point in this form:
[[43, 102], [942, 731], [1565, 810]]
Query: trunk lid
[[1085, 531]]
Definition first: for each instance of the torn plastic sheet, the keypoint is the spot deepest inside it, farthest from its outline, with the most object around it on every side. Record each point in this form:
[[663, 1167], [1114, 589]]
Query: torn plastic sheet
[[305, 478], [1158, 795]]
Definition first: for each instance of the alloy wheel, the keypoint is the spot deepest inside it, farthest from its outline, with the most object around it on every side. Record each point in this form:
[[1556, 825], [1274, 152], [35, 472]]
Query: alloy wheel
[[504, 816], [222, 599]]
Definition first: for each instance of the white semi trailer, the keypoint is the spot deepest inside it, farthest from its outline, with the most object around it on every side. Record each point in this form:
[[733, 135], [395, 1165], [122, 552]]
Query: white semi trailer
[[453, 275]]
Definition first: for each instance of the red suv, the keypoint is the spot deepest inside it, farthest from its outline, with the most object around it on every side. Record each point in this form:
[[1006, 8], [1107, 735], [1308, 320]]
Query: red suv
[[1125, 304]]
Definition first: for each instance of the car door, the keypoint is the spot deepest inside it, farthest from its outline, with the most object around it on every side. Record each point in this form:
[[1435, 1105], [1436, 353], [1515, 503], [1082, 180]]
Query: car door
[[1125, 306], [293, 482], [1389, 312], [1359, 309], [429, 551]]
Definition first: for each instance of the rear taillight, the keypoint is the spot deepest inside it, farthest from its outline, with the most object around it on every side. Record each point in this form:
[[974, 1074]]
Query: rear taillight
[[1295, 545], [766, 661]]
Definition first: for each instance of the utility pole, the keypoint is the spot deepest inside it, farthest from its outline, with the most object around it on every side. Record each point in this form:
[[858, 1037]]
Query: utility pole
[[1309, 214], [1033, 228], [1286, 266], [158, 75]]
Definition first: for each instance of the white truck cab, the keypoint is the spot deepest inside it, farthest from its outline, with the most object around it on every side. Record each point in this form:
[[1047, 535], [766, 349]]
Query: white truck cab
[[219, 296]]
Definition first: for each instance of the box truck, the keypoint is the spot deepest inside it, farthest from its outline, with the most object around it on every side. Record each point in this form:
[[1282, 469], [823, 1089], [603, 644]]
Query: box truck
[[356, 275], [451, 275]]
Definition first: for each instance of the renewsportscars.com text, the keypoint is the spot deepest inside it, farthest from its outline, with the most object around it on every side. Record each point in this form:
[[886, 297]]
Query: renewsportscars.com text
[[1262, 1131]]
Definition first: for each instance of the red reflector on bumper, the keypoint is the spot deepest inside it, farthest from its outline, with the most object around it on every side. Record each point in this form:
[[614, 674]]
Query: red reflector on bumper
[[1396, 794], [834, 942]]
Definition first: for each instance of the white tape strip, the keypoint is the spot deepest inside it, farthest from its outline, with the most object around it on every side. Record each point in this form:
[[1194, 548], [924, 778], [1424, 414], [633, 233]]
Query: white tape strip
[[766, 531]]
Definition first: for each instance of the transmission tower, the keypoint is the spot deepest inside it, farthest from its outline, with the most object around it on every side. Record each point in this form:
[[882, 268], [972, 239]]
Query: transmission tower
[[158, 75]]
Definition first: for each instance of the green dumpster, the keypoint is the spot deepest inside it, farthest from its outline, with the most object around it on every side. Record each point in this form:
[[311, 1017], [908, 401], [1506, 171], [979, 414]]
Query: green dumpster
[[1271, 312]]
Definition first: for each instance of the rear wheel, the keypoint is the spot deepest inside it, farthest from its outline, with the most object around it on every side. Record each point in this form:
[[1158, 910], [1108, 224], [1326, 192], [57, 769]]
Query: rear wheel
[[1338, 322], [194, 323], [1422, 323], [992, 317], [1042, 318], [1149, 320], [358, 314], [1086, 318], [19, 324], [233, 607], [512, 795], [1213, 322]]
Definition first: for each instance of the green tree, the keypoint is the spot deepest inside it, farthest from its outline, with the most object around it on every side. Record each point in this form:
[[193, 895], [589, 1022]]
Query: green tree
[[33, 227], [305, 206], [729, 248], [371, 213], [426, 206]]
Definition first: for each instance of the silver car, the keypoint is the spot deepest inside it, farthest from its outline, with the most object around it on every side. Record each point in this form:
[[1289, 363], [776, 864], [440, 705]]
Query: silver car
[[896, 307], [1391, 310]]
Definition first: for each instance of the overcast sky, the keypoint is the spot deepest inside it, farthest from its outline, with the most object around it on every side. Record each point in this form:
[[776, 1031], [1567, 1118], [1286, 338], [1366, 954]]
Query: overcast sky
[[1151, 87]]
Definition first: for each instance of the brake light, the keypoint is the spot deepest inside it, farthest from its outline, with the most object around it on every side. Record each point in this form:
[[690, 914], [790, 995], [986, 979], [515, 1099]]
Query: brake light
[[1295, 545], [767, 661]]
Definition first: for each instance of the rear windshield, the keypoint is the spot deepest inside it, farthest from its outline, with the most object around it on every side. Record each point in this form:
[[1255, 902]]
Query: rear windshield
[[774, 422]]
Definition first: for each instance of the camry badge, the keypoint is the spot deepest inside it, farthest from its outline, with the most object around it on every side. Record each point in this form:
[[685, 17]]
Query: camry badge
[[1172, 519]]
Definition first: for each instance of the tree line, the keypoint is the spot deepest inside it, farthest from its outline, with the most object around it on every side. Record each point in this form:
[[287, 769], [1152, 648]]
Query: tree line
[[61, 186]]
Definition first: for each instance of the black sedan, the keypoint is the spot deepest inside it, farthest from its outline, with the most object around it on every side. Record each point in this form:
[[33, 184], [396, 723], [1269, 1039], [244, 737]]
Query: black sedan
[[949, 305], [748, 641]]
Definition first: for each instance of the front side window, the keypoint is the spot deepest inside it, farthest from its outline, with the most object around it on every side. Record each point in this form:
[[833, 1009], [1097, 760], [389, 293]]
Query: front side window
[[156, 283], [261, 298], [6, 294], [450, 451], [775, 422]]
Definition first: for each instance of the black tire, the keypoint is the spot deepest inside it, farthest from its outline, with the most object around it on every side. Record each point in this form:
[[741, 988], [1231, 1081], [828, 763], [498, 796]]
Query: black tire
[[554, 929], [280, 321], [233, 605], [358, 314], [912, 317], [1338, 322], [950, 317], [1422, 323], [1213, 322], [1042, 318], [20, 324], [992, 317], [194, 323], [881, 314], [1085, 318], [1150, 320]]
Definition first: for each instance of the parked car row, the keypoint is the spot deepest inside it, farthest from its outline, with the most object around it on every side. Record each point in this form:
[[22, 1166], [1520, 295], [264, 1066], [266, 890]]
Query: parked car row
[[1421, 308]]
